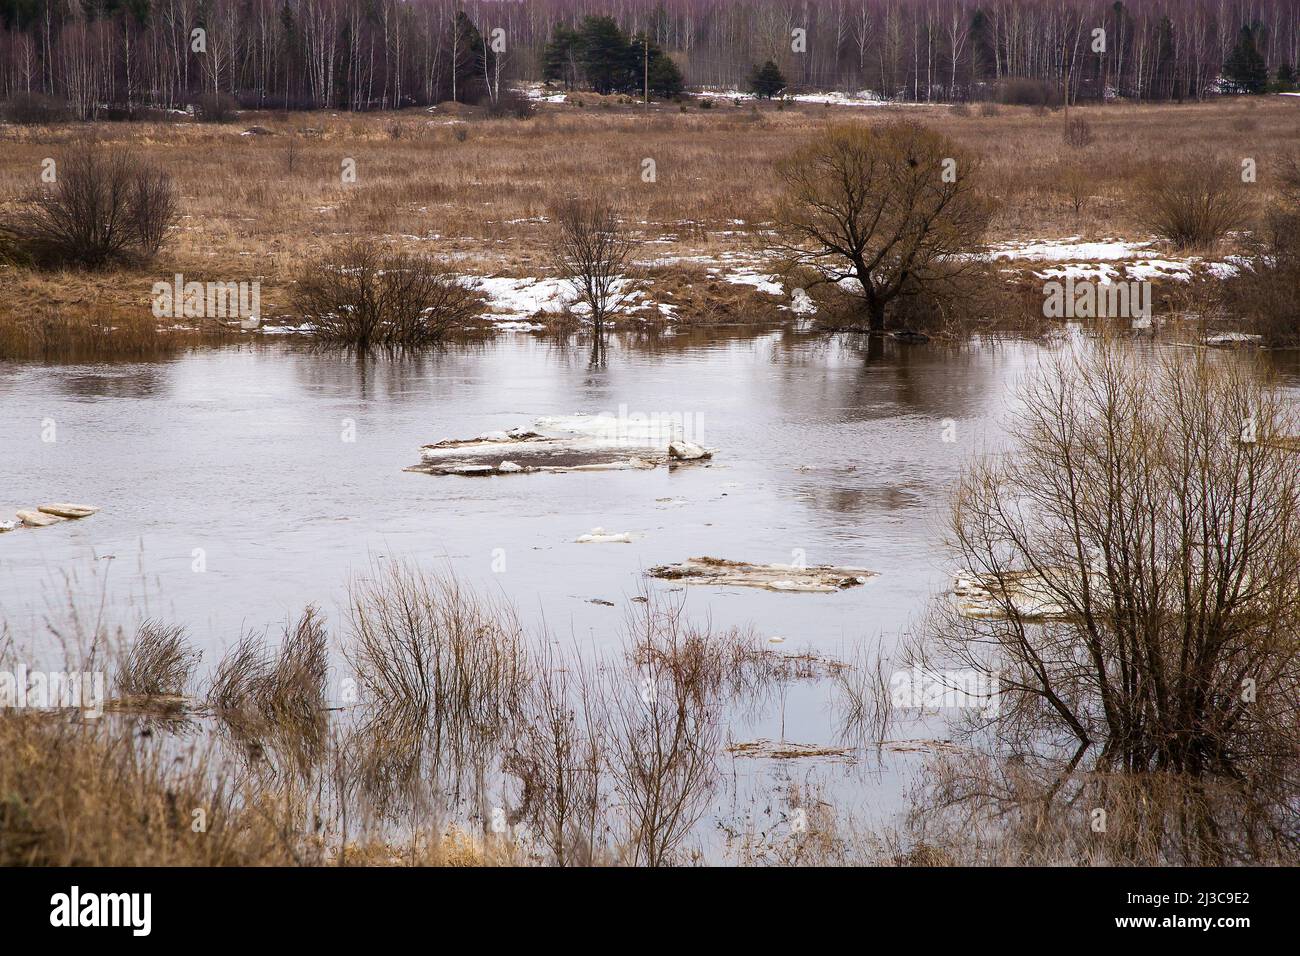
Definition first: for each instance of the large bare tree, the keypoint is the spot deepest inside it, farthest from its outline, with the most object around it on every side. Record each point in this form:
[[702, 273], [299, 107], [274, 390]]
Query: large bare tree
[[882, 211]]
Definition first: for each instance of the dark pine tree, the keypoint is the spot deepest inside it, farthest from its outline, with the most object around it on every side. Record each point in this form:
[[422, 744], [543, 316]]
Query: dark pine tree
[[1244, 69], [767, 80], [560, 58], [609, 62]]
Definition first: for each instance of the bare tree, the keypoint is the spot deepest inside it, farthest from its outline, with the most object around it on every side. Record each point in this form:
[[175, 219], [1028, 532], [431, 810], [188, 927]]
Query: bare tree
[[893, 210], [1141, 542], [593, 251]]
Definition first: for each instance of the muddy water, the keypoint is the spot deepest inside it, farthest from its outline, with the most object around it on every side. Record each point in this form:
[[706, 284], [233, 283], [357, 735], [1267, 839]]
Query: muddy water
[[278, 471], [238, 485]]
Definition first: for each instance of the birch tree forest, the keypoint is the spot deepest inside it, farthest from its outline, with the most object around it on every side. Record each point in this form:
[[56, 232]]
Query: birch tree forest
[[101, 57]]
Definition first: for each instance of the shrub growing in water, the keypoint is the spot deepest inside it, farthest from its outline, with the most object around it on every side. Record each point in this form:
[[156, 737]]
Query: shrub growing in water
[[362, 296]]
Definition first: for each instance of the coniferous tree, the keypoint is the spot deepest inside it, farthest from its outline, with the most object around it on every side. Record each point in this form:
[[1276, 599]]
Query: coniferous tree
[[1245, 70], [561, 56], [608, 61], [767, 80]]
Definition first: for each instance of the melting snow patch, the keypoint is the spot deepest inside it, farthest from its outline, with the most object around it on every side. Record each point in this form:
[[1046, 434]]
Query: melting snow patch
[[763, 283], [1069, 248]]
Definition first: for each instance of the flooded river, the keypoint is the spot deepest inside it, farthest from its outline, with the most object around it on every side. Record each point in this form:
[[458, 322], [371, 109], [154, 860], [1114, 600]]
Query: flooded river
[[239, 484]]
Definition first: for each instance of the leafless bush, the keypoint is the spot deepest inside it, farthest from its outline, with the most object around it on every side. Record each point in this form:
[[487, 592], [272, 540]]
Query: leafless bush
[[1194, 204], [107, 207], [557, 754], [511, 104], [158, 664], [35, 109], [593, 252], [1264, 291], [976, 810], [286, 687], [705, 662], [216, 107], [435, 663], [1076, 183], [1078, 133], [362, 296], [1157, 515], [663, 733], [1022, 91], [864, 702]]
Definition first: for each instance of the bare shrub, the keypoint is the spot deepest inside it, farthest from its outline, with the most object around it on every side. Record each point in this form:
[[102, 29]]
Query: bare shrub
[[557, 753], [284, 688], [663, 733], [1194, 204], [158, 664], [1158, 519], [1023, 91], [1075, 181], [976, 810], [511, 104], [863, 699], [891, 209], [35, 109], [1264, 290], [437, 666], [216, 107], [107, 207], [362, 296], [1078, 133], [593, 252]]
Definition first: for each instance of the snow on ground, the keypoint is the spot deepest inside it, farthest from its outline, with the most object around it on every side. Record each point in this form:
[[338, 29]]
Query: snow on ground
[[520, 299], [1070, 248], [1091, 260], [861, 98], [763, 283]]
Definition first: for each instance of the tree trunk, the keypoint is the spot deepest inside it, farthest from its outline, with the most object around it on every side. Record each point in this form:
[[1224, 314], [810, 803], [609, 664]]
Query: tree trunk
[[876, 312]]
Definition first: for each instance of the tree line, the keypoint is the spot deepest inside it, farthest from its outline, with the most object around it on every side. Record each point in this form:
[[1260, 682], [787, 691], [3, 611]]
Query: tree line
[[100, 56]]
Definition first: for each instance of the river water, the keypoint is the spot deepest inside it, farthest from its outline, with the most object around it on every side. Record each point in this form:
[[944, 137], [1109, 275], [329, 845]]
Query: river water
[[239, 484]]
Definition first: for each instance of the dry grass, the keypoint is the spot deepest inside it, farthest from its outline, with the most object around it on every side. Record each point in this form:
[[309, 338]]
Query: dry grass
[[476, 189], [254, 688], [158, 664]]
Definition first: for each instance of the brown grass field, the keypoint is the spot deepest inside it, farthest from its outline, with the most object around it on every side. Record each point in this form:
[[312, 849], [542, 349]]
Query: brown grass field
[[454, 183]]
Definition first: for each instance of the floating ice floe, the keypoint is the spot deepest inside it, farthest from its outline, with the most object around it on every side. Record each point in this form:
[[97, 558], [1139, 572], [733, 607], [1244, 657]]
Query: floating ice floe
[[785, 750], [719, 572], [46, 515], [565, 444], [1233, 340], [601, 536], [1026, 593]]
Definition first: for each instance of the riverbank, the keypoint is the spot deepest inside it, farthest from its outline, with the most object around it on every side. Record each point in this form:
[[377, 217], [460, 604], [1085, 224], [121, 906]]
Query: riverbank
[[262, 195]]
